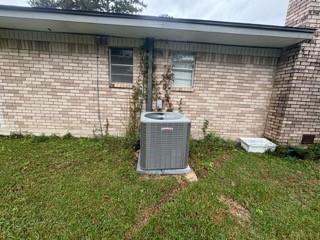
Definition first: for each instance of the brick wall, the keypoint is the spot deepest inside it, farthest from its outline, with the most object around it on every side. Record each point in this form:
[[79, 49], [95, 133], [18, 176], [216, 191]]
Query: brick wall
[[48, 84], [295, 103], [298, 13], [231, 93]]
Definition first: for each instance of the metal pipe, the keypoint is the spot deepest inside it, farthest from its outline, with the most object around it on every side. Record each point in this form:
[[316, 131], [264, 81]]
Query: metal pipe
[[149, 44]]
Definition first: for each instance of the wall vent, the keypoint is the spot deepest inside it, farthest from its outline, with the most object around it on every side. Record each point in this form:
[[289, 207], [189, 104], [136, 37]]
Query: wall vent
[[308, 139]]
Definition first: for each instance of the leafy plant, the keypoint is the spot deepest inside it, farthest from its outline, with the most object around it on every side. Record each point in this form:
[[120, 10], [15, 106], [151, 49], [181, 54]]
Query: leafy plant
[[311, 152], [40, 139], [106, 127], [205, 127], [137, 98], [67, 136], [16, 134], [180, 103], [113, 6], [314, 152], [166, 82]]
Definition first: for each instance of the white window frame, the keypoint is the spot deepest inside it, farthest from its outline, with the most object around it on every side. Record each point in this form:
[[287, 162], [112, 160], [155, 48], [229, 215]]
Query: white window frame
[[184, 69], [116, 64]]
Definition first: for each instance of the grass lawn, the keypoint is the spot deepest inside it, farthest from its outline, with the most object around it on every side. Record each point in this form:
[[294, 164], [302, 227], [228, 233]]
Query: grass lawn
[[54, 188]]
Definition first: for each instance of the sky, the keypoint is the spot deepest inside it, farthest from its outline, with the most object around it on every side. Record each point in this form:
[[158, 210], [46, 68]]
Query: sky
[[248, 11]]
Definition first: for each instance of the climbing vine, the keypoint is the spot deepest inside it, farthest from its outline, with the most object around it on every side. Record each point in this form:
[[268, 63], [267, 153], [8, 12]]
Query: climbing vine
[[137, 97], [180, 104], [161, 92], [205, 127], [162, 87], [156, 90], [166, 82]]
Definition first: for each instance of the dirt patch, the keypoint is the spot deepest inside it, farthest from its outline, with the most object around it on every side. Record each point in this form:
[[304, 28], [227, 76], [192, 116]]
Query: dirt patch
[[219, 217], [221, 159], [147, 213], [313, 182], [217, 162], [240, 213]]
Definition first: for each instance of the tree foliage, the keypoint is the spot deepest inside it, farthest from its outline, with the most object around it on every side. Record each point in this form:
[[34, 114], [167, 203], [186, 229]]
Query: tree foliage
[[112, 6]]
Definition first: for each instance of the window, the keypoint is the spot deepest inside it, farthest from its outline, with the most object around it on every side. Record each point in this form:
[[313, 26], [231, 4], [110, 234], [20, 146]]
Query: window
[[183, 67], [121, 65]]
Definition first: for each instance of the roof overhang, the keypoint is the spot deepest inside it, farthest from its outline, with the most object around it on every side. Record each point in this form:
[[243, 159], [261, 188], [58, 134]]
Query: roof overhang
[[137, 26]]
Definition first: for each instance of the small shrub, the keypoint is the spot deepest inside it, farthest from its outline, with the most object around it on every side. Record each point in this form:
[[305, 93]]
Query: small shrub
[[298, 153], [16, 135], [205, 127], [39, 139], [314, 152], [211, 144], [132, 142], [67, 136]]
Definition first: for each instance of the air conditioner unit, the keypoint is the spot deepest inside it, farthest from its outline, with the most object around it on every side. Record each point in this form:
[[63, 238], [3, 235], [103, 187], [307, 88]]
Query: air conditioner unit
[[164, 143]]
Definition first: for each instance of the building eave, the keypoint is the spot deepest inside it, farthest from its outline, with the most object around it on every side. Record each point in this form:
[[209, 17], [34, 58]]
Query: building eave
[[139, 26]]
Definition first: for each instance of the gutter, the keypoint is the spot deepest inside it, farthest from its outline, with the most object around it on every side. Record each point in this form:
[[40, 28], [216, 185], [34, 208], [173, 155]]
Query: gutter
[[159, 19]]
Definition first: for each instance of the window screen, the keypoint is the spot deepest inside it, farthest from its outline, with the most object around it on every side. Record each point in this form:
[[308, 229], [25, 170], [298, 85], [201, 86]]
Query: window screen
[[183, 66], [121, 65]]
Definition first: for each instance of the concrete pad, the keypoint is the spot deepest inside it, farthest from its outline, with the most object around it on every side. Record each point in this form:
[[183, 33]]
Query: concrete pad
[[191, 177], [162, 171]]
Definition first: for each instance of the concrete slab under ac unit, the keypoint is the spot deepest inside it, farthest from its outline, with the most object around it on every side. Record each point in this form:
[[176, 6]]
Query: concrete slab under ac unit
[[162, 171]]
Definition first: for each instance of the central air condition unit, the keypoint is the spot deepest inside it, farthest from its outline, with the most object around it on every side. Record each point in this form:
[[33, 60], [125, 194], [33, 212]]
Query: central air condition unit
[[164, 142]]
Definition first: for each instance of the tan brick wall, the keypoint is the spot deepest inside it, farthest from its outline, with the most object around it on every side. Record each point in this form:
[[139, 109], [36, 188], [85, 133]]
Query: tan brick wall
[[295, 104], [298, 13], [48, 84], [233, 96], [55, 91]]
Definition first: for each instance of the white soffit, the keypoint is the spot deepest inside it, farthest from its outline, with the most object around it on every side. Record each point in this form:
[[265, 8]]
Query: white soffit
[[158, 28]]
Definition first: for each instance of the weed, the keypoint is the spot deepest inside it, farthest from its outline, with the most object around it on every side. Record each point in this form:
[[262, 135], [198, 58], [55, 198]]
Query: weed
[[205, 126], [67, 136]]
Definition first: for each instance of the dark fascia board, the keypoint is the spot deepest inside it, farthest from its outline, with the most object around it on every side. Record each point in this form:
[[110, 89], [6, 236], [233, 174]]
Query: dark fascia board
[[162, 19]]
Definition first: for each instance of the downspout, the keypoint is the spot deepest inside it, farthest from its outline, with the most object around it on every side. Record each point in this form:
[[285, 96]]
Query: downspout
[[149, 46]]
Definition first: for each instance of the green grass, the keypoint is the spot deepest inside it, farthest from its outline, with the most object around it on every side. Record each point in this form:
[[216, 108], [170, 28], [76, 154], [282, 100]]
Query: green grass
[[54, 188]]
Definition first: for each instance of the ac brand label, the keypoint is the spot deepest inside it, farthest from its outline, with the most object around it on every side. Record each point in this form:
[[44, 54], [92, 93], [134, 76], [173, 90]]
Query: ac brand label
[[167, 130]]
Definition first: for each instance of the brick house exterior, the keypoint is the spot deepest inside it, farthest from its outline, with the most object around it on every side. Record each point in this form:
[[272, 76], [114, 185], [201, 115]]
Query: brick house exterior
[[295, 103], [50, 86], [54, 83]]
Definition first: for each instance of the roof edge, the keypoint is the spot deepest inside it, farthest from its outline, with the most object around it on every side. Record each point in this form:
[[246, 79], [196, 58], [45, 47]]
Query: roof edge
[[162, 19]]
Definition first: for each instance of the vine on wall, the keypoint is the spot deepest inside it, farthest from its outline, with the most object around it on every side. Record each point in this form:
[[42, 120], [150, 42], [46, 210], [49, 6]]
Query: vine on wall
[[162, 87], [167, 82], [180, 103], [138, 96], [205, 127], [161, 90]]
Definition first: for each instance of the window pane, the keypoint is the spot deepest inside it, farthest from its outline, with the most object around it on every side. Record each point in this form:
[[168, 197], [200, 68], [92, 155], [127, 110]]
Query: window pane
[[121, 69], [182, 83], [187, 65], [121, 78], [182, 57], [121, 61], [178, 74], [183, 64], [121, 52]]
